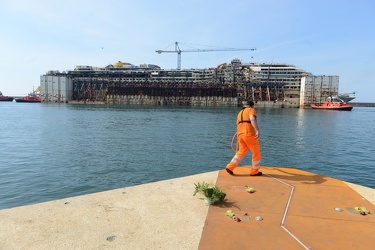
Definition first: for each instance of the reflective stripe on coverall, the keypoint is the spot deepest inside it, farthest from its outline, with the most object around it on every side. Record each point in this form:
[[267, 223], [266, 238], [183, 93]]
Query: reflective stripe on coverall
[[247, 141]]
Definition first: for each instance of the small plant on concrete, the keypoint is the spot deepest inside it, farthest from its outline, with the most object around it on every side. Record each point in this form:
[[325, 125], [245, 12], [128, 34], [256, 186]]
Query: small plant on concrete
[[211, 193]]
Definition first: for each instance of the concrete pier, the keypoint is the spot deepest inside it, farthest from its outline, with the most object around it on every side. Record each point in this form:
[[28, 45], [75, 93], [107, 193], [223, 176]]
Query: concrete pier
[[166, 215]]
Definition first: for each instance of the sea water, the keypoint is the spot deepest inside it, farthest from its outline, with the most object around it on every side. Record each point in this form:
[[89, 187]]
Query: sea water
[[54, 151]]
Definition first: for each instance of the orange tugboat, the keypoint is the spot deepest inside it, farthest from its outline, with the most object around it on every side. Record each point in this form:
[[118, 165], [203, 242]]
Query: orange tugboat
[[333, 103], [32, 97]]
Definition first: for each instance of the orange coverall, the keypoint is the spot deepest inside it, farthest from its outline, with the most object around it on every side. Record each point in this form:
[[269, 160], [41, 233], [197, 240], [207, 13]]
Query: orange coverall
[[247, 140]]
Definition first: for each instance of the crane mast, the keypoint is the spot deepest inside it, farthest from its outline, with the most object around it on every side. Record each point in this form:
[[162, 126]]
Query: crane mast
[[178, 51]]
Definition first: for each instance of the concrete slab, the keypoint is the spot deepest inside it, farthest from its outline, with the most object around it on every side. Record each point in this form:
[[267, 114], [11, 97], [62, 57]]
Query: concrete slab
[[297, 207], [161, 215]]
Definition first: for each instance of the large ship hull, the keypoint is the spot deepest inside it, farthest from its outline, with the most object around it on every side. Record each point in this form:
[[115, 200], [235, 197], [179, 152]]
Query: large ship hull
[[267, 84]]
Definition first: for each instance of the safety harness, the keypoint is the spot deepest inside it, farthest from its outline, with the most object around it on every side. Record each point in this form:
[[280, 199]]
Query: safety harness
[[242, 120], [235, 145]]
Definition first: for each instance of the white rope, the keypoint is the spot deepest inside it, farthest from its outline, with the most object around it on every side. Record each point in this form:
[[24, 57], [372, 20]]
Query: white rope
[[234, 142], [286, 211]]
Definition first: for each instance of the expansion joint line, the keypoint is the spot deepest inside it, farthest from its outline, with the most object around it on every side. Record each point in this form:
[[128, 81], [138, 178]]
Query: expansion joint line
[[286, 210]]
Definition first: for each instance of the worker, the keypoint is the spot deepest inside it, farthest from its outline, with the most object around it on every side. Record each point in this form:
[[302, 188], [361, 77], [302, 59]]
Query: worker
[[248, 139]]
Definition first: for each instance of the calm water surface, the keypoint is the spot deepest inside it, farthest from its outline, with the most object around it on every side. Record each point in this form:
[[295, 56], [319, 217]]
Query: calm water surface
[[54, 151]]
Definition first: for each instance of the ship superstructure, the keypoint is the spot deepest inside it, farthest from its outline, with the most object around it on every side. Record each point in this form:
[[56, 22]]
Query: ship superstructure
[[268, 84], [347, 97]]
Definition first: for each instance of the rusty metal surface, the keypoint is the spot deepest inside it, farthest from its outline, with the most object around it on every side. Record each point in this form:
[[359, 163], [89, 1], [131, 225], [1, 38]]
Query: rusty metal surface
[[298, 210]]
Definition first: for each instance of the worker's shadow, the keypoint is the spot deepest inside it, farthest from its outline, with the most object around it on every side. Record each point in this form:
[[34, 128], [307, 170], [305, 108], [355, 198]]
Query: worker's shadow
[[290, 176]]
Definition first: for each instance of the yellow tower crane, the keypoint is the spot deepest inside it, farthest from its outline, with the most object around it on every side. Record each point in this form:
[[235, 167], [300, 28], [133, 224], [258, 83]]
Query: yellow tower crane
[[178, 51]]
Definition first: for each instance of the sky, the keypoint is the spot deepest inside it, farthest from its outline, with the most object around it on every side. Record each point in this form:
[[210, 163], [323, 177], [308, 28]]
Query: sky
[[321, 37]]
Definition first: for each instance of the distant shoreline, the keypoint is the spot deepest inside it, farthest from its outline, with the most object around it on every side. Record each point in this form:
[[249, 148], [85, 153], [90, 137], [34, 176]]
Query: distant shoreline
[[362, 104]]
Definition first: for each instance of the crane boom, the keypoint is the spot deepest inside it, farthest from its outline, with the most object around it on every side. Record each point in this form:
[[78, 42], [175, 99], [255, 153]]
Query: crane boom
[[178, 51]]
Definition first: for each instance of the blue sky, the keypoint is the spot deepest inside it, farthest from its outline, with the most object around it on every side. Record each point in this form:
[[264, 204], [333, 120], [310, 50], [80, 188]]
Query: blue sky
[[322, 37]]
